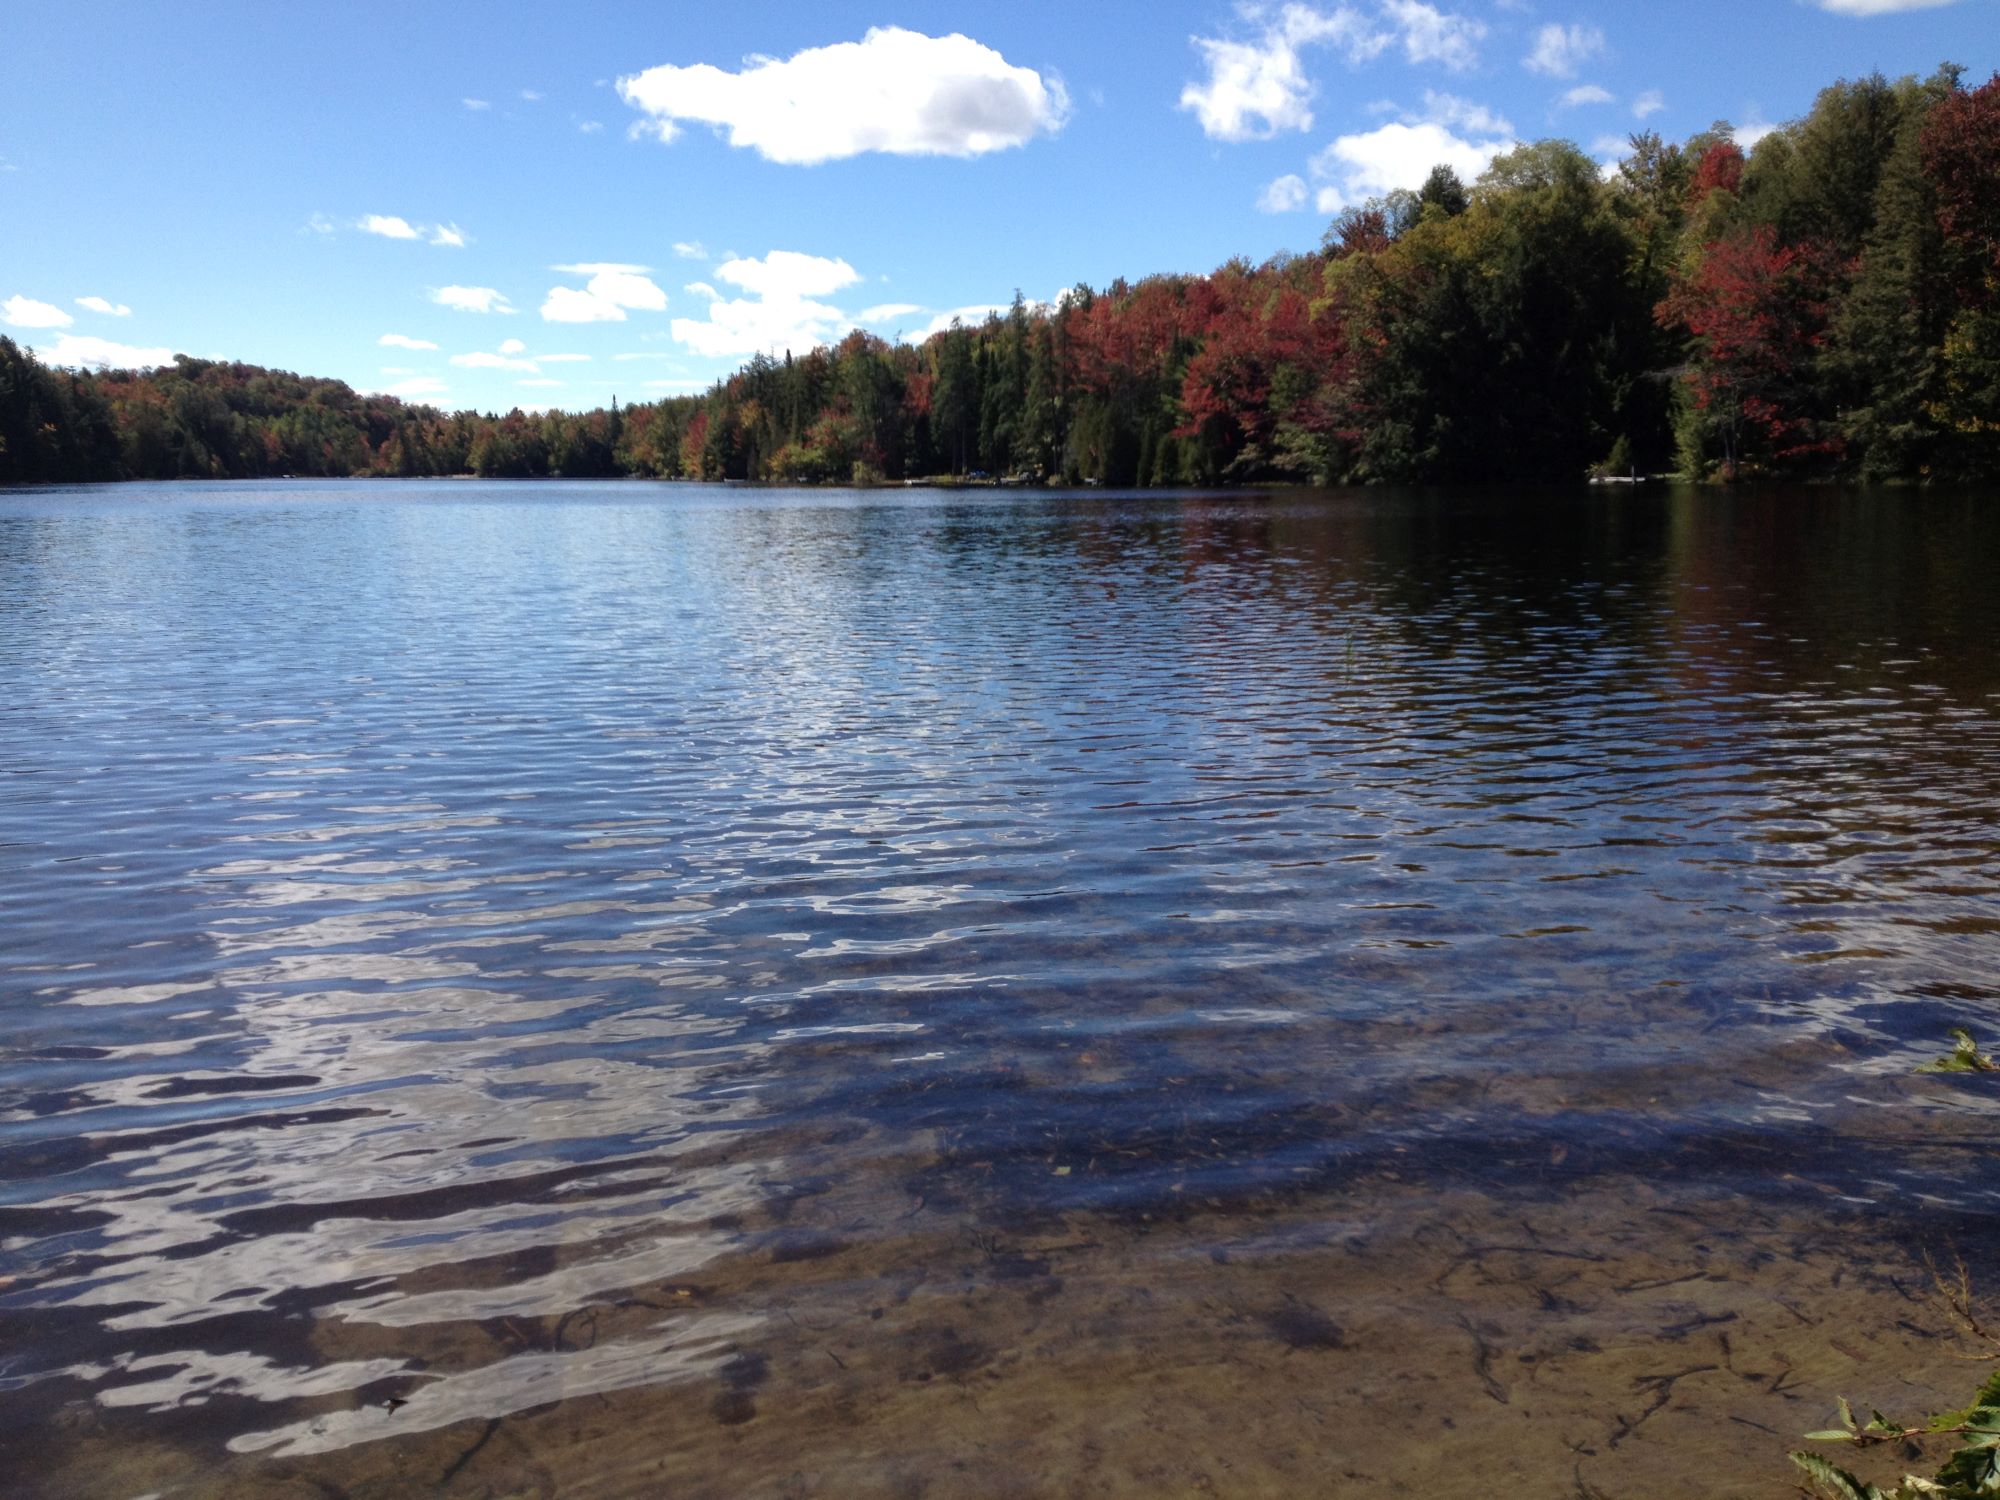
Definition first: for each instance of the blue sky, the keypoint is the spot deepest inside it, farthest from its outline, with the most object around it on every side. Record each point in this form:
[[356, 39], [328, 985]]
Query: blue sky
[[572, 202]]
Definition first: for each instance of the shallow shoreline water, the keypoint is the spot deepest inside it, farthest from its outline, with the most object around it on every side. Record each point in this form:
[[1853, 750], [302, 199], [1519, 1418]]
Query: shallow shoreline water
[[601, 988]]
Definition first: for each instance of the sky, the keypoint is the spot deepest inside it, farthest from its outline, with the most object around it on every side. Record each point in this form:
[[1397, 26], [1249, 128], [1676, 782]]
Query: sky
[[524, 204]]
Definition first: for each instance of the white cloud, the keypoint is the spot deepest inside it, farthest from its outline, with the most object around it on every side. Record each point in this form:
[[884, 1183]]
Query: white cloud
[[1748, 135], [1649, 103], [532, 96], [690, 250], [72, 349], [1431, 35], [389, 226], [1397, 156], [419, 389], [1286, 195], [1589, 93], [1460, 114], [106, 306], [703, 289], [787, 273], [403, 341], [561, 359], [966, 317], [513, 346], [480, 359], [477, 299], [1257, 88], [894, 91], [780, 313], [448, 234], [26, 312], [590, 127], [1561, 50], [611, 290], [475, 104], [886, 312], [1878, 7]]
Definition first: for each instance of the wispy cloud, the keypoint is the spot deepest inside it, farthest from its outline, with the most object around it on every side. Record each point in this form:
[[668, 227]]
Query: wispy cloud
[[403, 341], [1258, 86], [1285, 195], [1879, 7], [1589, 93], [1561, 51], [476, 299], [104, 305], [71, 350]]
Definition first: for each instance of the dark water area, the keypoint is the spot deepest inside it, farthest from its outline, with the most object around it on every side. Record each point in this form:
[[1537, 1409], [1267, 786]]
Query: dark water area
[[626, 989]]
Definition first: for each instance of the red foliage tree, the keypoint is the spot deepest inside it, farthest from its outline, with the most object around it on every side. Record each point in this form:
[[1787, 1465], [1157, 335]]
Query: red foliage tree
[[1757, 313]]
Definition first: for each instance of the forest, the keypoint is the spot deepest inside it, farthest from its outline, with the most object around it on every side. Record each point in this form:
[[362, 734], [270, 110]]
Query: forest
[[1825, 306]]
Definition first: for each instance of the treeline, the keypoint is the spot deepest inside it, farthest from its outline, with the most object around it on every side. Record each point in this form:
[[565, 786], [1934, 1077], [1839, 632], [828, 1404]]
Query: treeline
[[1828, 305]]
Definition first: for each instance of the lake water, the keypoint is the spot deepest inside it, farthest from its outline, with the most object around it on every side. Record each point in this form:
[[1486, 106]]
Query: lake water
[[639, 990]]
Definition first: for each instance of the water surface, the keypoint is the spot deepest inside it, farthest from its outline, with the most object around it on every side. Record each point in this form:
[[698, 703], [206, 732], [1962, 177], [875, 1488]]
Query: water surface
[[626, 989]]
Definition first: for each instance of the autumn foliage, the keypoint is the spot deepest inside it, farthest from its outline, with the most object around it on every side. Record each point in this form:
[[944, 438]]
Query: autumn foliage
[[1827, 303]]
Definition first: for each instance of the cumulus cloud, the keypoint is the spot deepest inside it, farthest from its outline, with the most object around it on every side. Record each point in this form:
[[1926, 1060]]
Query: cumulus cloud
[[1560, 51], [1257, 88], [886, 312], [104, 305], [894, 91], [690, 250], [605, 297], [389, 226], [781, 311], [403, 341], [26, 312], [74, 349], [475, 299], [1399, 156], [1649, 103], [1286, 195], [1748, 135]]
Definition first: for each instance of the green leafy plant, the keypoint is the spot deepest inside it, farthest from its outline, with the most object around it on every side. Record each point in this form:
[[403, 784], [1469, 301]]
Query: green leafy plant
[[1972, 1472], [1965, 1057]]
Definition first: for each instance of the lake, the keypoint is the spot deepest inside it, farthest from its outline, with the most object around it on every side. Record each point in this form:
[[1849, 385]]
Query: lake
[[632, 989]]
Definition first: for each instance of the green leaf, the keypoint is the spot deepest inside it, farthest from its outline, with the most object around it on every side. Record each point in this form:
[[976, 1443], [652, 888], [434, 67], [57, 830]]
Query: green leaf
[[1835, 1480], [1831, 1435], [1846, 1414]]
